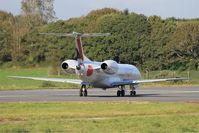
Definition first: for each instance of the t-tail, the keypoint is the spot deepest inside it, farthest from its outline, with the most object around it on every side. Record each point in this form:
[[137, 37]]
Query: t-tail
[[81, 58]]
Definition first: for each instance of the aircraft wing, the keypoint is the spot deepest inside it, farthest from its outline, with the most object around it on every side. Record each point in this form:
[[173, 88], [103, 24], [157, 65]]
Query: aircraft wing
[[158, 80], [73, 81], [128, 82]]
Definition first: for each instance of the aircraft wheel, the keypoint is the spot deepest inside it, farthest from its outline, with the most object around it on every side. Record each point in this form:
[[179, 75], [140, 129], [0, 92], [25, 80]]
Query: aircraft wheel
[[80, 92], [132, 93], [122, 93], [118, 93], [83, 91]]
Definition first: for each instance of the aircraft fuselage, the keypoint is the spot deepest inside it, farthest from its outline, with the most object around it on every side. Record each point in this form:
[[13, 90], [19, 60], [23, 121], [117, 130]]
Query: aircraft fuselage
[[100, 79]]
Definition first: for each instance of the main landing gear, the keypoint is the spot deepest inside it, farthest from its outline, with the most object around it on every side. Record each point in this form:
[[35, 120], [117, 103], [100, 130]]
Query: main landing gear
[[132, 92], [121, 92], [83, 91]]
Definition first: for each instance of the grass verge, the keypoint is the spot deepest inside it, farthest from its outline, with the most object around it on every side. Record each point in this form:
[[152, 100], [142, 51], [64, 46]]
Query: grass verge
[[98, 117]]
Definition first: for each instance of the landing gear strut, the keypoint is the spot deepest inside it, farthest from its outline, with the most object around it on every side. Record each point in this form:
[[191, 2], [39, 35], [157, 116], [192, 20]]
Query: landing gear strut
[[132, 92], [121, 92], [83, 91]]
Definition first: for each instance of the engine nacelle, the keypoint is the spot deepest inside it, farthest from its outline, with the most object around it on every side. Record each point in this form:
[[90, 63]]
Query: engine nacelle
[[109, 66], [67, 64]]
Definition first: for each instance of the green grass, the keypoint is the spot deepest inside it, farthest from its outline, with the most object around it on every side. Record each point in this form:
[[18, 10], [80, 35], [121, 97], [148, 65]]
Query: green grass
[[99, 117], [17, 84]]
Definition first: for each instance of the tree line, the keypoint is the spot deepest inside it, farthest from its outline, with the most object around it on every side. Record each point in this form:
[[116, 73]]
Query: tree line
[[151, 43]]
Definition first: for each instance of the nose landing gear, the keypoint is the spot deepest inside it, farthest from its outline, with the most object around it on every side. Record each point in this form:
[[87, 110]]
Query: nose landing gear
[[83, 91]]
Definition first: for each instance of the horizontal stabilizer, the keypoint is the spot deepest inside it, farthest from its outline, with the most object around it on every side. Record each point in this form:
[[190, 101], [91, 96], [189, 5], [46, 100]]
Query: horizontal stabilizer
[[74, 34]]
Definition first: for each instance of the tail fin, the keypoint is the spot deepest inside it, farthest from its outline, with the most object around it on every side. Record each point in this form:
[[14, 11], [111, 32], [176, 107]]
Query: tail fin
[[79, 48]]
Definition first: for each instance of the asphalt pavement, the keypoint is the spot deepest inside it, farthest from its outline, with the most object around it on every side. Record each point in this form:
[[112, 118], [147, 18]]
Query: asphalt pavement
[[157, 94]]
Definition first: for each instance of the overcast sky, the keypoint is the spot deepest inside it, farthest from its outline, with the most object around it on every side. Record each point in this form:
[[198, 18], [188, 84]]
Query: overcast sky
[[66, 9]]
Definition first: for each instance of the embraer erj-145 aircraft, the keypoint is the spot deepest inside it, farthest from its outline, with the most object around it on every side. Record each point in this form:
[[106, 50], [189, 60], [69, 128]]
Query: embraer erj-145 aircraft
[[107, 74]]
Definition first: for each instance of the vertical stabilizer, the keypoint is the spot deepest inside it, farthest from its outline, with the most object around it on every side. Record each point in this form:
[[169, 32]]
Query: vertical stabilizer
[[79, 49]]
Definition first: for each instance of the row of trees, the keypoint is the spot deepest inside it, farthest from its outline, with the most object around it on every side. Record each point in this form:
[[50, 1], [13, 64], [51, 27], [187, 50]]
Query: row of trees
[[13, 29], [148, 42]]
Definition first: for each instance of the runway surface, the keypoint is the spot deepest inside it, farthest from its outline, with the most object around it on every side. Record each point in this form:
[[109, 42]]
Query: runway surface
[[158, 94]]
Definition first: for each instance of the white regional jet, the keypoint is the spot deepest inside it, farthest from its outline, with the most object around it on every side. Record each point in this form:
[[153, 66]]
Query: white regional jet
[[107, 74]]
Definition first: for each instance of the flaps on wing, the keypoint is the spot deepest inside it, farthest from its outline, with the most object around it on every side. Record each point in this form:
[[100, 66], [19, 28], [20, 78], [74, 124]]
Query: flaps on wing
[[158, 80], [73, 81]]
